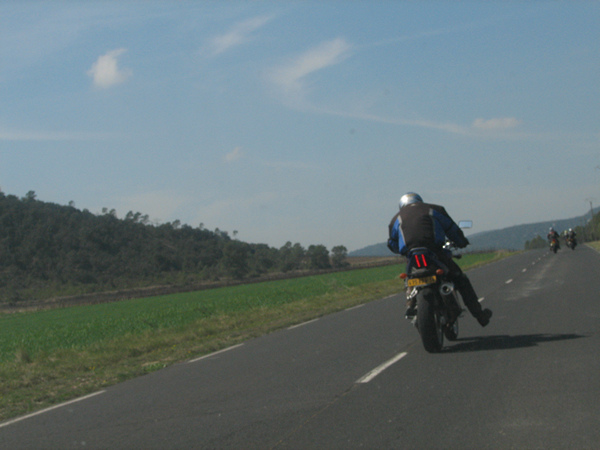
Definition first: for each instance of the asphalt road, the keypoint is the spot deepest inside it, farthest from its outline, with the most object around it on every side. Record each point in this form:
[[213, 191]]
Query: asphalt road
[[360, 378]]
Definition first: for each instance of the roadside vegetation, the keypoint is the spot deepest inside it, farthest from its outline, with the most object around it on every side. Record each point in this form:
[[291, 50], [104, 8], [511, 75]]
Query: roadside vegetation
[[50, 356], [595, 245]]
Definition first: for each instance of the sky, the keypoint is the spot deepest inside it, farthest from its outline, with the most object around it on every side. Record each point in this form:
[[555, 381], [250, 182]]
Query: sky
[[303, 121]]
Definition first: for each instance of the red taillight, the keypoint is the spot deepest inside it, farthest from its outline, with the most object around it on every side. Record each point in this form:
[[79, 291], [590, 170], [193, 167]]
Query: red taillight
[[403, 276], [422, 262], [439, 272]]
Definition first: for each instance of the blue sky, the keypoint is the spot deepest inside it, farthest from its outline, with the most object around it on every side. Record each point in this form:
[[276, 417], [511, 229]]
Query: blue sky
[[303, 121]]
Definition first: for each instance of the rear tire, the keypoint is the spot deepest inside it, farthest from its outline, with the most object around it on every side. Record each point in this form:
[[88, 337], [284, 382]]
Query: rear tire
[[429, 321], [452, 332]]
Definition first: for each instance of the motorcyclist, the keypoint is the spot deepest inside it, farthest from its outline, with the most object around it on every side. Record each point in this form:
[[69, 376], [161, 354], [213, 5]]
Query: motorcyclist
[[571, 236], [553, 234], [419, 224]]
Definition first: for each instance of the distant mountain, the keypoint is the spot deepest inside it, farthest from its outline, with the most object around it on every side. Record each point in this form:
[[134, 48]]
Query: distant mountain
[[372, 250], [511, 238]]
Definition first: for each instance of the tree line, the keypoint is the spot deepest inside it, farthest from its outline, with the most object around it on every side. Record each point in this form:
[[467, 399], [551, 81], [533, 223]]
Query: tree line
[[48, 249]]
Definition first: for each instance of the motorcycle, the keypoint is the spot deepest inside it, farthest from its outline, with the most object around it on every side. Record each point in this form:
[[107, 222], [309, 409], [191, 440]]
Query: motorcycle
[[571, 243], [554, 245], [438, 303]]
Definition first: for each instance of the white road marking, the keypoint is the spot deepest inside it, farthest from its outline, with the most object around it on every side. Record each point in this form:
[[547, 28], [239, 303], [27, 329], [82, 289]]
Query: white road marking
[[216, 353], [481, 299], [302, 324], [37, 413], [524, 270], [373, 373], [593, 248], [509, 281], [355, 307]]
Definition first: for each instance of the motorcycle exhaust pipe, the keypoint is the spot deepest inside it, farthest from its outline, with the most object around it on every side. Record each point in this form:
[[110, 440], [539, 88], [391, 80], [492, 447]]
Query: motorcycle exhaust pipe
[[446, 288]]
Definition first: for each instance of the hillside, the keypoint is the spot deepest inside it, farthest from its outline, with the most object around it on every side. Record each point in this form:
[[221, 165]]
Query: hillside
[[510, 238], [49, 250]]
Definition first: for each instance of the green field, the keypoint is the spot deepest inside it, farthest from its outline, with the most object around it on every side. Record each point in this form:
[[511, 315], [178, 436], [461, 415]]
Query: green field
[[53, 355], [594, 245]]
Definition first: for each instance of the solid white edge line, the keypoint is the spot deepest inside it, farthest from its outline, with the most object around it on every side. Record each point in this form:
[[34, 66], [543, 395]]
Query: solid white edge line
[[593, 248], [373, 373], [355, 307], [43, 411], [302, 324], [216, 353]]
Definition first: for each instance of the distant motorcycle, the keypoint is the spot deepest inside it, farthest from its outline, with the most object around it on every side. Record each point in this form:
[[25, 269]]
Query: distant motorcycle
[[554, 245], [438, 303], [571, 243]]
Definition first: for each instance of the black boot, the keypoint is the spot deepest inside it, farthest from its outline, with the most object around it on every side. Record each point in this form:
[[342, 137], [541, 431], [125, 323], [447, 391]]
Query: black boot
[[484, 317], [471, 301]]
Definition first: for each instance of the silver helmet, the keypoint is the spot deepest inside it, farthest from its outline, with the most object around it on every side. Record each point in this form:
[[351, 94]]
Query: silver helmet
[[408, 198]]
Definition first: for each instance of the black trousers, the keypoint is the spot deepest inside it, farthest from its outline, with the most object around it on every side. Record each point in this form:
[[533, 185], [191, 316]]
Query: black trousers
[[463, 285]]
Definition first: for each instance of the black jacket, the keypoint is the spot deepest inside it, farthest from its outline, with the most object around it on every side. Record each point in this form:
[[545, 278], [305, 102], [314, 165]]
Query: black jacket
[[423, 225]]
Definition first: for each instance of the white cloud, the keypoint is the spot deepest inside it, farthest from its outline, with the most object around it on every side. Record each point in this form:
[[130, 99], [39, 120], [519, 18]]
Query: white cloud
[[290, 78], [479, 127], [496, 124], [237, 35], [106, 71], [234, 155]]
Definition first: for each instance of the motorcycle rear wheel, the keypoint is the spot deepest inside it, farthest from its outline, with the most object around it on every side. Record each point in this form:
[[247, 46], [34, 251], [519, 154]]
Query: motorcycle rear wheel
[[451, 332], [429, 321]]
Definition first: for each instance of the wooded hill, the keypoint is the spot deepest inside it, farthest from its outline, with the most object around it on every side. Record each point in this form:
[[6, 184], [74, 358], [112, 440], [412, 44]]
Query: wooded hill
[[49, 250]]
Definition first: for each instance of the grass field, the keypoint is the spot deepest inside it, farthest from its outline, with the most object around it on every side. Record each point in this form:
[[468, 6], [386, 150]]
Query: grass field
[[594, 245], [53, 355]]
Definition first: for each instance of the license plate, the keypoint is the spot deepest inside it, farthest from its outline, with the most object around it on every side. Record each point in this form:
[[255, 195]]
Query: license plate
[[412, 282]]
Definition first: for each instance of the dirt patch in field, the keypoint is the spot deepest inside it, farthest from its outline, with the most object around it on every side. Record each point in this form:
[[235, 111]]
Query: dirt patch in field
[[373, 261]]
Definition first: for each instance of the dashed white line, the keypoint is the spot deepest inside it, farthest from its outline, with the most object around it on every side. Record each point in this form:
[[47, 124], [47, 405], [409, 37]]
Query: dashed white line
[[373, 373], [509, 281], [216, 353]]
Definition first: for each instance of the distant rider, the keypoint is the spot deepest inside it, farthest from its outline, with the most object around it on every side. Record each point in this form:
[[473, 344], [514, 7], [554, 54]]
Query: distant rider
[[571, 236], [553, 234], [420, 224]]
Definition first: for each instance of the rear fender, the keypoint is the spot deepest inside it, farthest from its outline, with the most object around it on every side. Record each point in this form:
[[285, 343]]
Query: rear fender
[[424, 260]]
